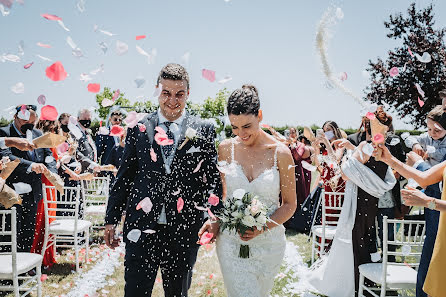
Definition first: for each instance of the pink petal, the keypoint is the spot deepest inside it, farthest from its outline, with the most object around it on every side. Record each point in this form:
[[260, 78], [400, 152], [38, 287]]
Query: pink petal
[[265, 126], [106, 102], [343, 76], [116, 130], [370, 116], [56, 72], [145, 204], [211, 215], [420, 102], [116, 95], [153, 154], [208, 74], [394, 71], [160, 130], [180, 204], [139, 37], [51, 17], [28, 65], [420, 90], [176, 192], [378, 138], [410, 52], [43, 45], [63, 147], [94, 88], [49, 113], [200, 207], [43, 277], [206, 237], [142, 128], [213, 200], [41, 99], [198, 166], [103, 131]]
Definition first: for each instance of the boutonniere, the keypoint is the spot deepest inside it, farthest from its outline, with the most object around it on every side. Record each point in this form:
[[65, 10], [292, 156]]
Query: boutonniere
[[191, 134]]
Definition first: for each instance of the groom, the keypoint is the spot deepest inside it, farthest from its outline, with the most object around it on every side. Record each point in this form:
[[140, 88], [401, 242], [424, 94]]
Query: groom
[[172, 182]]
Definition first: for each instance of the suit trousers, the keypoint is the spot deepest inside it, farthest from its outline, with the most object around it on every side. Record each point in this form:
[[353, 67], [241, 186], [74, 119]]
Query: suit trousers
[[153, 251]]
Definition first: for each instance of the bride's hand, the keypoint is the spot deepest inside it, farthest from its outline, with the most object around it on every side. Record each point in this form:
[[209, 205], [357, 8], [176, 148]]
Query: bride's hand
[[249, 234]]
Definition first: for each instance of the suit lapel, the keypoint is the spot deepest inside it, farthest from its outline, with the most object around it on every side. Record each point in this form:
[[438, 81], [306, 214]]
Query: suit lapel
[[186, 123], [151, 123]]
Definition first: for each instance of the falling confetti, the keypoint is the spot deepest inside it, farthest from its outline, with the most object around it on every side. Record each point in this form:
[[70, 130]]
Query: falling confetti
[[430, 149], [11, 58], [370, 115], [121, 48], [157, 91], [198, 166], [44, 58], [56, 72], [420, 102], [420, 90], [410, 52], [405, 135], [139, 37], [22, 188], [107, 102], [63, 25], [225, 79], [213, 200], [394, 141], [140, 82], [180, 204], [103, 46], [308, 166], [153, 154], [425, 58], [94, 88], [368, 149], [208, 74], [107, 33], [145, 204], [18, 88], [134, 235], [343, 76], [41, 99], [51, 17], [339, 13], [43, 45], [27, 66], [393, 71]]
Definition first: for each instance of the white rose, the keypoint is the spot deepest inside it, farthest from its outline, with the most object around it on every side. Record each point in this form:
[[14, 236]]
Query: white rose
[[247, 211], [255, 209], [191, 133], [237, 214], [261, 219], [248, 221], [238, 203], [239, 193]]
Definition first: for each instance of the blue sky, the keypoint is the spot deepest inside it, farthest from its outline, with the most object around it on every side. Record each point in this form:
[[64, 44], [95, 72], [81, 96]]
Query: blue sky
[[270, 44]]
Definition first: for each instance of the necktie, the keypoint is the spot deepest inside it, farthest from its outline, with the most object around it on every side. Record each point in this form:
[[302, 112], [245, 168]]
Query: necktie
[[167, 149]]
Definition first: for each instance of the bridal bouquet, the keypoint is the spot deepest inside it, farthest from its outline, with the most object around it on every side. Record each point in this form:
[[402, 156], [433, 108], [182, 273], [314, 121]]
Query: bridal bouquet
[[242, 212]]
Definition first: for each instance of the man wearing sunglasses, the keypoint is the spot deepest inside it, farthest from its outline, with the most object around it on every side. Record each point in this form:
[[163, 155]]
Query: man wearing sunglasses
[[106, 143], [86, 145], [29, 171]]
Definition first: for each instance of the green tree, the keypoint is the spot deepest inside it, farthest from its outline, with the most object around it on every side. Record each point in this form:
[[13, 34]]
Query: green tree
[[146, 106], [108, 94], [417, 33], [213, 108]]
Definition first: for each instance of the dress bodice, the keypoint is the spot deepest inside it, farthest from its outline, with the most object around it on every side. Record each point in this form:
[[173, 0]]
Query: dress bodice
[[266, 186]]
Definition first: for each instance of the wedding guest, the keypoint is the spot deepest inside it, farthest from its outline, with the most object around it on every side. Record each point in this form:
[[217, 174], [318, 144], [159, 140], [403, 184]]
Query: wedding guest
[[48, 125], [106, 143], [115, 156], [442, 95], [86, 145], [292, 138], [434, 285], [432, 144], [432, 218], [29, 171]]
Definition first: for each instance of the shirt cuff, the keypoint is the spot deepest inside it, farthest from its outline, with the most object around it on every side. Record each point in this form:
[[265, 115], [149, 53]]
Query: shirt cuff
[[29, 168], [2, 143], [417, 163]]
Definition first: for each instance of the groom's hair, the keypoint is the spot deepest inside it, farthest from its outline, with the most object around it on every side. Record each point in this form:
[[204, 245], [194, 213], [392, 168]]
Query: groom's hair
[[244, 101], [173, 71]]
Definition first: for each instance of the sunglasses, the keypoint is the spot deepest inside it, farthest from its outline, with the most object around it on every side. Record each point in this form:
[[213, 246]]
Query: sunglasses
[[28, 107], [117, 119]]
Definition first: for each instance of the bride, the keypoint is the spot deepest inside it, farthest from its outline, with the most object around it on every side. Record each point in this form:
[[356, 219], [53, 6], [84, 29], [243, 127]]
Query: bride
[[261, 166]]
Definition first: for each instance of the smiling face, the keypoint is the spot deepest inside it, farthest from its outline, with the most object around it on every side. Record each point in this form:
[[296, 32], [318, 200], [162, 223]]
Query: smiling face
[[246, 126], [435, 130], [173, 98]]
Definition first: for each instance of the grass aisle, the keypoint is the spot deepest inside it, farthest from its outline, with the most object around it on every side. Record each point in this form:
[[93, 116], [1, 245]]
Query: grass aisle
[[104, 275]]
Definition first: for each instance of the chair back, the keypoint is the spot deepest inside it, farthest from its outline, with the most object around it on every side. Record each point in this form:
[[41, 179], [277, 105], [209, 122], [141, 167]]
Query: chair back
[[11, 232], [61, 206], [408, 246], [96, 191], [331, 207]]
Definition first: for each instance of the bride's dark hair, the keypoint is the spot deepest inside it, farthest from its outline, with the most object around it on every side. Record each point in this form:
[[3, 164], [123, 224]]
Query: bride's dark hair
[[244, 101]]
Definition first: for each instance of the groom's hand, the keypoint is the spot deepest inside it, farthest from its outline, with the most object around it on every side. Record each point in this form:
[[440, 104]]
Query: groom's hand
[[210, 227], [109, 235]]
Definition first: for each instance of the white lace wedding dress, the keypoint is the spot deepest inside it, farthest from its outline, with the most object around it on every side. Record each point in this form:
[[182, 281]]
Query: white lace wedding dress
[[254, 276]]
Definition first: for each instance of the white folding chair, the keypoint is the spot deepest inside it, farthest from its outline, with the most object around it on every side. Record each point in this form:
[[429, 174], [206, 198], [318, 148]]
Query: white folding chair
[[327, 229], [95, 193], [67, 230], [398, 275], [14, 263]]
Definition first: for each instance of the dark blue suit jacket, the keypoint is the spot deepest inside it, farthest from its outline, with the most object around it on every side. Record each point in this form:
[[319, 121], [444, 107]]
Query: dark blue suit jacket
[[104, 146], [20, 174], [139, 176]]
